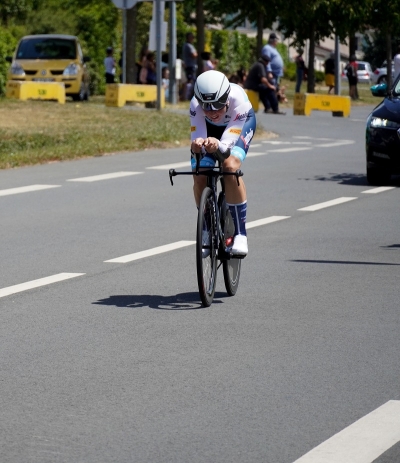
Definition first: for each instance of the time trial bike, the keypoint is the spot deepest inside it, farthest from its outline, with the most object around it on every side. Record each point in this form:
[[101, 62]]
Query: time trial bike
[[214, 233]]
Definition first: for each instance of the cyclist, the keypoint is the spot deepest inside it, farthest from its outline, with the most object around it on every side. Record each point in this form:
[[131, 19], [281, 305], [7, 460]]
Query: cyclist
[[223, 124]]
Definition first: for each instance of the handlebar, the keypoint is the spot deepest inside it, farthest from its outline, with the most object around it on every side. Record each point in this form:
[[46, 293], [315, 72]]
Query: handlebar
[[208, 173]]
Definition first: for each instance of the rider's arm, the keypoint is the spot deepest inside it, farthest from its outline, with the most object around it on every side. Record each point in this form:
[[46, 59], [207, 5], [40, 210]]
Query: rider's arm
[[234, 128]]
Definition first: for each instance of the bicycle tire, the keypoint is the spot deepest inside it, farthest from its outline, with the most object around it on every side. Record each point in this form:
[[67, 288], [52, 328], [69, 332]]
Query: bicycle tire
[[206, 252], [231, 267]]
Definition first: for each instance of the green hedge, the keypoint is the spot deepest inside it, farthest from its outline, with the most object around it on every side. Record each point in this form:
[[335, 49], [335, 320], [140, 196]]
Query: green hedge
[[8, 42]]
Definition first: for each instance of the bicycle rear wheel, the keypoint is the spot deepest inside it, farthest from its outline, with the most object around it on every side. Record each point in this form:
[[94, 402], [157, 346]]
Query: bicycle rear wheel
[[206, 248], [232, 266]]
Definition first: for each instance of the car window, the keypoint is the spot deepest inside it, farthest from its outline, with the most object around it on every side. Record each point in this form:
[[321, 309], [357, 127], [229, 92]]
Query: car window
[[361, 67], [46, 48]]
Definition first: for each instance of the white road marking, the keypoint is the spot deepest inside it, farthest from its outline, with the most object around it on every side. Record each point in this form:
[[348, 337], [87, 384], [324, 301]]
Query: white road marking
[[256, 153], [277, 142], [333, 202], [363, 441], [336, 143], [289, 150], [176, 165], [96, 178], [151, 252], [378, 190], [36, 283], [26, 189], [267, 220]]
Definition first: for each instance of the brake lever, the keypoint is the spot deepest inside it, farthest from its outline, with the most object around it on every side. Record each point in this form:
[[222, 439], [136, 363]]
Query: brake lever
[[238, 174], [172, 173]]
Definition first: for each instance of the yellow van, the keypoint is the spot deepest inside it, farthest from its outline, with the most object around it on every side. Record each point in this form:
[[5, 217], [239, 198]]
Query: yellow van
[[52, 58]]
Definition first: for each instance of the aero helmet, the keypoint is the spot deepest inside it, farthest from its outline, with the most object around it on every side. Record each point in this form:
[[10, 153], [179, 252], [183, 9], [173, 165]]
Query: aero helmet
[[211, 90]]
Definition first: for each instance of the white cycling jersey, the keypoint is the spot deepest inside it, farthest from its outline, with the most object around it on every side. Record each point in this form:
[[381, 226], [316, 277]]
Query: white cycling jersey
[[239, 110]]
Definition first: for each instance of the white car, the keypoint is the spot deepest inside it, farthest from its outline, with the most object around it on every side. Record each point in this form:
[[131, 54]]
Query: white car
[[380, 74], [364, 73]]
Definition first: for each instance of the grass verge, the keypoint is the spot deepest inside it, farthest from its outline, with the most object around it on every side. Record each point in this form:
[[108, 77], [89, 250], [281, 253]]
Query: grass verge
[[36, 132]]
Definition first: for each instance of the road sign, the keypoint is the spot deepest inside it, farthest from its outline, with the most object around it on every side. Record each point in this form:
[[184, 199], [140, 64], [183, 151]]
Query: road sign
[[125, 4]]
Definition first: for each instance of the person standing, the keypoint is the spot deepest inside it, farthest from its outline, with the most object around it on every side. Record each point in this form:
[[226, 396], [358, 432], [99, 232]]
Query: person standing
[[189, 57], [396, 62], [329, 66], [300, 68], [351, 71], [110, 65], [276, 62]]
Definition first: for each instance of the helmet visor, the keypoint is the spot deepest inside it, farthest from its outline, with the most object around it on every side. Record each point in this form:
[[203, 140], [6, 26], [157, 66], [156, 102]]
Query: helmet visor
[[214, 106]]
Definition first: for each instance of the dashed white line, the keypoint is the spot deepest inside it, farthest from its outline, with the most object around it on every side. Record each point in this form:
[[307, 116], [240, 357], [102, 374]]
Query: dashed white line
[[37, 283], [380, 189], [289, 150], [96, 178], [272, 219], [333, 202], [26, 189], [176, 165], [336, 143], [151, 252], [363, 441]]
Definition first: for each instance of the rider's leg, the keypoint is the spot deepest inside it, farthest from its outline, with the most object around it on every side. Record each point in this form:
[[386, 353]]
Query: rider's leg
[[200, 181]]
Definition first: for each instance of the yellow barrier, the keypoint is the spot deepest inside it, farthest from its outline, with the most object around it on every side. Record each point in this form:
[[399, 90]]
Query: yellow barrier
[[304, 103], [119, 94], [36, 91], [254, 98]]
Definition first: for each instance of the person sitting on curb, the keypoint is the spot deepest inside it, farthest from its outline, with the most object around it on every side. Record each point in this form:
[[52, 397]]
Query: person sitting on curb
[[259, 81]]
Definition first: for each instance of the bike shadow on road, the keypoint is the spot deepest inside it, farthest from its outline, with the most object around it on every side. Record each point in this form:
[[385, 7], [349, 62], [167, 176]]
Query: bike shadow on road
[[182, 301]]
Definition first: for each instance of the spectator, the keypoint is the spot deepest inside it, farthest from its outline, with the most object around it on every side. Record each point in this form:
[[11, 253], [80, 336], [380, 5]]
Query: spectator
[[276, 62], [329, 66], [110, 65], [300, 69], [148, 71], [259, 81], [351, 71], [140, 61], [396, 62], [189, 58], [165, 81], [208, 65]]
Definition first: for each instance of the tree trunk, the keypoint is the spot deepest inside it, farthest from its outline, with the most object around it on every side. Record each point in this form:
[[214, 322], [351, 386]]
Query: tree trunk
[[131, 27], [200, 34], [311, 58], [352, 44], [260, 33]]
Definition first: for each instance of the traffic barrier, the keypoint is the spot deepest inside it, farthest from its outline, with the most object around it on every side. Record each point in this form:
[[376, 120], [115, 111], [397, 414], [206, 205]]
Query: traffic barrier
[[119, 94], [36, 90], [304, 103], [254, 98]]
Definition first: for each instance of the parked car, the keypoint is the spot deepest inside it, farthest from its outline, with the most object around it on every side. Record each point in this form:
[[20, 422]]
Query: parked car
[[382, 140], [380, 74], [364, 73], [52, 58]]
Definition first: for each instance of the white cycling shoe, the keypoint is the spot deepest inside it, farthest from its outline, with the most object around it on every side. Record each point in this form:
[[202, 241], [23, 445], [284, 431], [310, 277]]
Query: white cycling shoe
[[240, 247]]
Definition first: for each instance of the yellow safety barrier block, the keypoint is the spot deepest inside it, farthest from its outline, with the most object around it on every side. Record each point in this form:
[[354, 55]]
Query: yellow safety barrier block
[[36, 91], [304, 103], [119, 94], [254, 98]]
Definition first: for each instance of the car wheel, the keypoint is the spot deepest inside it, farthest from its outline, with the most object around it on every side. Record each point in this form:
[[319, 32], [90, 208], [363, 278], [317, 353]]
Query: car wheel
[[382, 80], [377, 177]]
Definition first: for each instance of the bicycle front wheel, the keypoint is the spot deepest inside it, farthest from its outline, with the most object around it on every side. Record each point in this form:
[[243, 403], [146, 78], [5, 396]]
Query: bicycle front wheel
[[231, 270], [231, 267], [206, 248]]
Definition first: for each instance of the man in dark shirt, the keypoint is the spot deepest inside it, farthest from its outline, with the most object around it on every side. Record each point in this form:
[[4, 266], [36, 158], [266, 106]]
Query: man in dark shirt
[[259, 81]]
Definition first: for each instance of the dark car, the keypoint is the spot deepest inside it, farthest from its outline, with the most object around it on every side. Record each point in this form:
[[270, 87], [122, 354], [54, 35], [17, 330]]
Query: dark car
[[382, 140]]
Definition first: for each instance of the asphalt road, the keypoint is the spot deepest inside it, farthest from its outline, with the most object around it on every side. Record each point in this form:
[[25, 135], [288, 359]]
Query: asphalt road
[[118, 362]]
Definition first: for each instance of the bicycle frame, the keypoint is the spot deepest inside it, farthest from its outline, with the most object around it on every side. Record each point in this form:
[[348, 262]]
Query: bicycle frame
[[214, 176]]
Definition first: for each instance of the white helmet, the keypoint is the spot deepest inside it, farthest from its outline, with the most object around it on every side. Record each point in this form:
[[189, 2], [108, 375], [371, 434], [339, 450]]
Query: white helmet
[[211, 90]]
